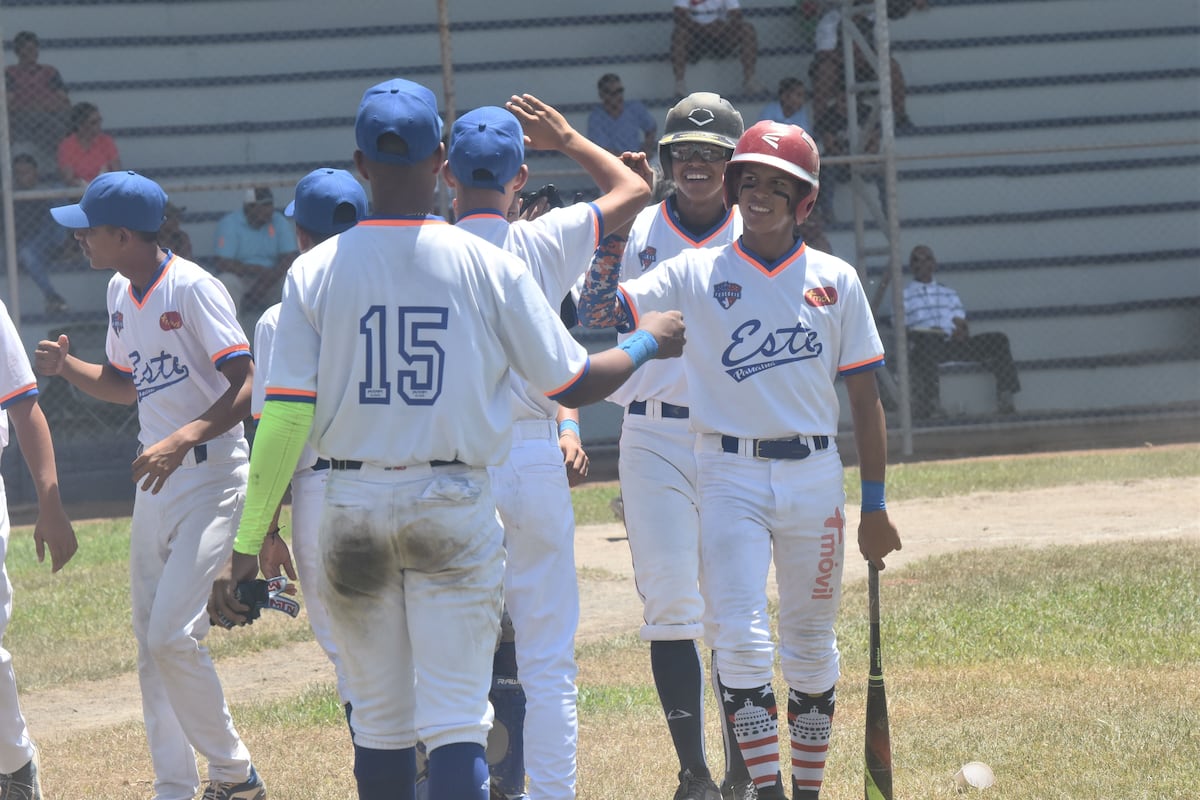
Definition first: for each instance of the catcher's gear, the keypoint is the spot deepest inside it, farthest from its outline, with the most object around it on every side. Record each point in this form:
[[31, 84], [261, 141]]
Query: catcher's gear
[[259, 594], [700, 117], [785, 147]]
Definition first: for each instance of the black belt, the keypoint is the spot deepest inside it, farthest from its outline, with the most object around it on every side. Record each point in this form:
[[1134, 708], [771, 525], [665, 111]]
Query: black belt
[[322, 463], [338, 463], [200, 451], [667, 410], [793, 449]]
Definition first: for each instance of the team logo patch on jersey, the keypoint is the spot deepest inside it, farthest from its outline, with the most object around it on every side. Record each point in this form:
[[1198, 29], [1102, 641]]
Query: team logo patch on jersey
[[824, 296], [170, 321], [117, 320], [727, 293], [648, 257]]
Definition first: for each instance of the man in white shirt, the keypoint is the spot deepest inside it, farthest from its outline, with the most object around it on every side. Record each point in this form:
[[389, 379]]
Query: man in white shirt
[[937, 333]]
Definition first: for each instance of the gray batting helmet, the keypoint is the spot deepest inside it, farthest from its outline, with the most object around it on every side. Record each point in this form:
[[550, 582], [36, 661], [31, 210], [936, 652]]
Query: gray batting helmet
[[700, 117]]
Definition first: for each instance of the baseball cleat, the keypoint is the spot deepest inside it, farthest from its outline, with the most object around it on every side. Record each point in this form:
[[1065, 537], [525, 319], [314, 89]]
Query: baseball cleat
[[694, 787], [250, 789], [22, 784]]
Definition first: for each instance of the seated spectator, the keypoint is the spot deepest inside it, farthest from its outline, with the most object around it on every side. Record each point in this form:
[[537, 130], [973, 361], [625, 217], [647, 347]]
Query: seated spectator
[[713, 28], [828, 74], [256, 245], [39, 238], [791, 106], [173, 237], [38, 105], [937, 333], [87, 150], [619, 126]]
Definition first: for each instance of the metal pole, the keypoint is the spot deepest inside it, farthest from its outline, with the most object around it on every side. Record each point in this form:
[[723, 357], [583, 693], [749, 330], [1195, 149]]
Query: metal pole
[[448, 99], [10, 225], [887, 148]]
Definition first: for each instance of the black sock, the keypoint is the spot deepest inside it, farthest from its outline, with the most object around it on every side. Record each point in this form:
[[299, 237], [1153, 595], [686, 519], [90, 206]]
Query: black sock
[[735, 765], [679, 678]]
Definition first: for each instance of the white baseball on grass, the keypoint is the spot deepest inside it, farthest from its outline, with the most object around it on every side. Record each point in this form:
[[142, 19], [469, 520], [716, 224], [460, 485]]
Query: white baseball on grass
[[974, 774]]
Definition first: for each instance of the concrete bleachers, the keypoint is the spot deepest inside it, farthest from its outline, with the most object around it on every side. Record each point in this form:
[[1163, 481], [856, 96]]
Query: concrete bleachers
[[1027, 113]]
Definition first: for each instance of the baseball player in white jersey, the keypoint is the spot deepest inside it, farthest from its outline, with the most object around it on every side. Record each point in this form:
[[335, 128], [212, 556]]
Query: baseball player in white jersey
[[19, 403], [327, 202], [657, 462], [774, 324], [175, 348], [486, 167], [401, 334]]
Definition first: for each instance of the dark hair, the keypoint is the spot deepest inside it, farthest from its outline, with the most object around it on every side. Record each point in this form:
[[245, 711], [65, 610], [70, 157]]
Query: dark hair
[[24, 158], [392, 143], [24, 37], [80, 112], [787, 84], [607, 78]]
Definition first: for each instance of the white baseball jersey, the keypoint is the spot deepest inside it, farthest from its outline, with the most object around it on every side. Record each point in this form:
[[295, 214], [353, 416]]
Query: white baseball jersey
[[16, 379], [400, 323], [264, 340], [658, 235], [170, 339], [557, 247], [765, 341], [706, 11]]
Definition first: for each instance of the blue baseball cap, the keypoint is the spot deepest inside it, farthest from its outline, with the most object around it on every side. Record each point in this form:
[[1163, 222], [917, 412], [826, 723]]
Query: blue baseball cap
[[404, 108], [328, 201], [121, 199], [487, 148]]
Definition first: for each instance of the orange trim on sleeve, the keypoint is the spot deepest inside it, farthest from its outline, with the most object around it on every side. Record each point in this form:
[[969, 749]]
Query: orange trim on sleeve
[[629, 304], [860, 364], [295, 394], [567, 386], [228, 350], [20, 391]]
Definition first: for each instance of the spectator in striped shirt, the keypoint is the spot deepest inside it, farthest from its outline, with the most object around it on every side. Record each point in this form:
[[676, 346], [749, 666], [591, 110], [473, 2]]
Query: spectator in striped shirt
[[938, 333]]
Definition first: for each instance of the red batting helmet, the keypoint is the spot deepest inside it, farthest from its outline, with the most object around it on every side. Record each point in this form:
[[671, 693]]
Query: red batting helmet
[[785, 147]]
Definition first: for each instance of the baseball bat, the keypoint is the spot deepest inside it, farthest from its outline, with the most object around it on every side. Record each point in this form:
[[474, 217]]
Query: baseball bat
[[878, 749]]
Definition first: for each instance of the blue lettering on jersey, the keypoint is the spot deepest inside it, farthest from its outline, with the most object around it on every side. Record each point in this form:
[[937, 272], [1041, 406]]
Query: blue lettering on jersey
[[157, 373], [751, 352], [727, 293]]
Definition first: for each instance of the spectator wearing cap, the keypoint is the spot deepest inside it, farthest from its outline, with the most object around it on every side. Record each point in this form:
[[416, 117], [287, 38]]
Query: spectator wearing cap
[[790, 105], [255, 245], [486, 168], [172, 236], [328, 202], [618, 125]]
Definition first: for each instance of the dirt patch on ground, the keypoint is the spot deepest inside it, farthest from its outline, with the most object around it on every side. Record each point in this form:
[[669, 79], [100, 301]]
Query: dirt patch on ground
[[1059, 516]]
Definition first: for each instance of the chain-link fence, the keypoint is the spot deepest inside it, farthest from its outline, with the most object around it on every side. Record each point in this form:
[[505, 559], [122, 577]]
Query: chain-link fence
[[1043, 155]]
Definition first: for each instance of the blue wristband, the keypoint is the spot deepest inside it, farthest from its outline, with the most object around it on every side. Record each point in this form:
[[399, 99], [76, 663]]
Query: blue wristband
[[641, 347], [872, 496], [569, 425]]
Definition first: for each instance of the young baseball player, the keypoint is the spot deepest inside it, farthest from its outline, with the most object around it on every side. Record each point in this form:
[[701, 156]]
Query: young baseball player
[[401, 334], [19, 404], [486, 166], [327, 202], [175, 348], [774, 325], [657, 463]]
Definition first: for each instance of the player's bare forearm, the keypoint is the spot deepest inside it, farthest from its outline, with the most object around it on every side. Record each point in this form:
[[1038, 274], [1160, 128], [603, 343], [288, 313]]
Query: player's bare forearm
[[53, 528], [101, 381], [870, 425], [158, 461], [598, 306], [570, 442]]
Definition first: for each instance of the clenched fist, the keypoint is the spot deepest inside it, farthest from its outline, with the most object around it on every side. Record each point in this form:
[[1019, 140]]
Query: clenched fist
[[668, 330]]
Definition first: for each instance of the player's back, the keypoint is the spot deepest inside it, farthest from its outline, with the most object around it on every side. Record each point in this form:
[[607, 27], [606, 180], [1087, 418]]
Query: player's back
[[414, 324]]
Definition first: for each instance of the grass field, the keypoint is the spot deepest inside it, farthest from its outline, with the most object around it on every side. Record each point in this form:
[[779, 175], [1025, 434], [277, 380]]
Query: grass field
[[1073, 671]]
